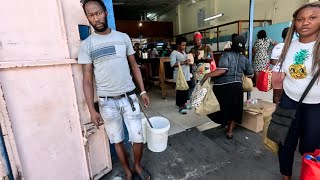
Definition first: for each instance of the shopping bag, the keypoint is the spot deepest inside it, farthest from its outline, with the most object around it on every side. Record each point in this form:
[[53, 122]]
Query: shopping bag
[[209, 103], [268, 143], [310, 169], [198, 95], [181, 83], [213, 65], [190, 56], [247, 84], [264, 80]]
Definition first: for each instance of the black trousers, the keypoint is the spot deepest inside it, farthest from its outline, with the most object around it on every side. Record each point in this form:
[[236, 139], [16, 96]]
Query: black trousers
[[305, 128], [182, 96]]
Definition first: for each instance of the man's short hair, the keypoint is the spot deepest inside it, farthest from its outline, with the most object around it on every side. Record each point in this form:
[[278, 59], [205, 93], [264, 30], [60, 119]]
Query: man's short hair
[[98, 1]]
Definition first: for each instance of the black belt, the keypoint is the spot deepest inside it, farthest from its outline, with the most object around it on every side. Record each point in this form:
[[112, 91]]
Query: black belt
[[122, 96]]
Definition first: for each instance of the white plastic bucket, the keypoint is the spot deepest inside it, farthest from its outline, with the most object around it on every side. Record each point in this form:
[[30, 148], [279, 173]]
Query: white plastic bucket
[[157, 137]]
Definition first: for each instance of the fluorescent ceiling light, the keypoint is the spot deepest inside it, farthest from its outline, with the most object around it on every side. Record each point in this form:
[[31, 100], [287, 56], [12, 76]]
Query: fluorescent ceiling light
[[213, 17], [151, 15]]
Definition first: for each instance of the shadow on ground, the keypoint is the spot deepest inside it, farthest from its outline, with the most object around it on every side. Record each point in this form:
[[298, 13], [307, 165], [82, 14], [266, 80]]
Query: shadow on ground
[[209, 155]]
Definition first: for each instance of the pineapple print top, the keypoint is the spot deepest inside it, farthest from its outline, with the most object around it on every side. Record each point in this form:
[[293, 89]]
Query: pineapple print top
[[298, 69]]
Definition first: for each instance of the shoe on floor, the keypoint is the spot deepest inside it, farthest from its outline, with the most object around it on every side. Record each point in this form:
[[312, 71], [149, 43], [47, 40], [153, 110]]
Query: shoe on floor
[[182, 111], [187, 107]]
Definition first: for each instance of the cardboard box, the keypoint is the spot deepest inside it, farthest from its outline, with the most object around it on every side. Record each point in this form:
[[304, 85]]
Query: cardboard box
[[252, 118]]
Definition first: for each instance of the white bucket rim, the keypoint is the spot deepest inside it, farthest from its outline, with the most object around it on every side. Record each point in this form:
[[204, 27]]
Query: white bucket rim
[[155, 129]]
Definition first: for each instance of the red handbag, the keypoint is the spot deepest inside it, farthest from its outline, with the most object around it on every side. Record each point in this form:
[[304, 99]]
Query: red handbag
[[310, 169], [264, 80], [213, 65]]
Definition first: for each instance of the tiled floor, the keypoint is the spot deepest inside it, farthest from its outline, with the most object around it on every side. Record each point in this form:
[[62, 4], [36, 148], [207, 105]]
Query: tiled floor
[[167, 108]]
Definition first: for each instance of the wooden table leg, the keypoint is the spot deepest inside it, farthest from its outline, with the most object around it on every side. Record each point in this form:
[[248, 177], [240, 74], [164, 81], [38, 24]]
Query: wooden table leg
[[162, 79], [150, 70]]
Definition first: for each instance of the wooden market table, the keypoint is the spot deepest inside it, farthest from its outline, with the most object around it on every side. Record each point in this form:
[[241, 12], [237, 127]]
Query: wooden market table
[[162, 76]]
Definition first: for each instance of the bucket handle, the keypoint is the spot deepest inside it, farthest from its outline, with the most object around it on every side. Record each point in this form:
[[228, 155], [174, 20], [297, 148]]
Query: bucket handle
[[145, 114]]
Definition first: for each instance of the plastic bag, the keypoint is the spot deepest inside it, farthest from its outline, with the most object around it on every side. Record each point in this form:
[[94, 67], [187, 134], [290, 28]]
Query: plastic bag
[[181, 83], [209, 104]]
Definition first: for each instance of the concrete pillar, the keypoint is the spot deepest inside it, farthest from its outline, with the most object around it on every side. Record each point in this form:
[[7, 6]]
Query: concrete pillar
[[251, 17], [178, 19]]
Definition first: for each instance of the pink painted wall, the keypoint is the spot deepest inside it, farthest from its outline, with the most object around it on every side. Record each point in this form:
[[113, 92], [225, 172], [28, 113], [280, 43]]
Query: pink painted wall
[[45, 101], [98, 146], [31, 30], [44, 115]]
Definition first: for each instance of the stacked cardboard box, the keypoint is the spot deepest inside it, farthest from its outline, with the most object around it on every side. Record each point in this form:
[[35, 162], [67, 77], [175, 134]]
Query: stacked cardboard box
[[252, 118]]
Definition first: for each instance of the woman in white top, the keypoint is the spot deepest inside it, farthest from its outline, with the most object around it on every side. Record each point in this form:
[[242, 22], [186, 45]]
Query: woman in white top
[[300, 59], [177, 57], [152, 51]]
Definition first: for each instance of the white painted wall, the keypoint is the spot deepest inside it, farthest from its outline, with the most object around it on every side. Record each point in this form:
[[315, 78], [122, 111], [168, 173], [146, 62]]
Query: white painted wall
[[276, 10], [189, 15], [171, 16]]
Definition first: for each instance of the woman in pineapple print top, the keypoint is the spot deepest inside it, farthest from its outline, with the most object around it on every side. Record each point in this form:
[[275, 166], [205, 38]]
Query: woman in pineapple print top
[[300, 59]]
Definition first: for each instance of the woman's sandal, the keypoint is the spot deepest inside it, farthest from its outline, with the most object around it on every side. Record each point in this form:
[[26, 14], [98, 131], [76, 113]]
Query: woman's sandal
[[145, 175], [187, 107], [183, 111]]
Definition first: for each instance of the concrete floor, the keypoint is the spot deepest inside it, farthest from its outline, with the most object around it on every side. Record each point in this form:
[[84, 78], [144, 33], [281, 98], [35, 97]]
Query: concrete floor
[[198, 150]]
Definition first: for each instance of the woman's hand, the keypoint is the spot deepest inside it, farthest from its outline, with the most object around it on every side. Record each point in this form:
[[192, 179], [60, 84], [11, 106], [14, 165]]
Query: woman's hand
[[204, 78], [186, 62], [249, 76]]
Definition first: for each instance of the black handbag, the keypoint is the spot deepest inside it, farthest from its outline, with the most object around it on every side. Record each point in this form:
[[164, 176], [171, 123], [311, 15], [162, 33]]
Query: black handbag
[[282, 118]]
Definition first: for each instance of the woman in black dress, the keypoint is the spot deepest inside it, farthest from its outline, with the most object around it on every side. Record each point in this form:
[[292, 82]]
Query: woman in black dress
[[228, 84]]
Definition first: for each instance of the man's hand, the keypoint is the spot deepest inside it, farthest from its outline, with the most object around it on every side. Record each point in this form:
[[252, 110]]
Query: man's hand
[[96, 119], [187, 61], [146, 99]]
